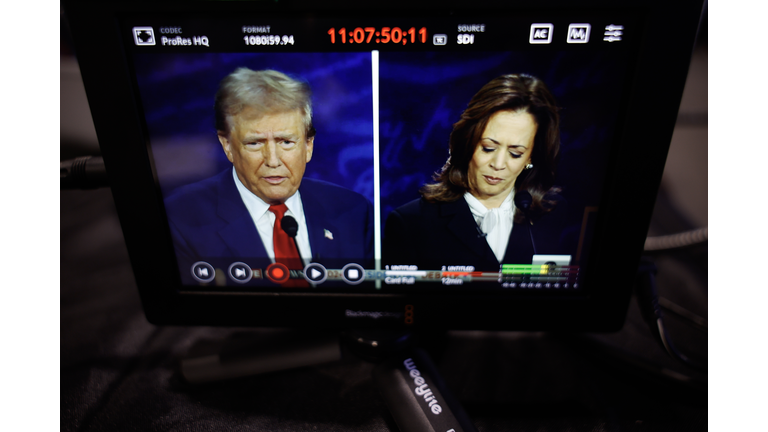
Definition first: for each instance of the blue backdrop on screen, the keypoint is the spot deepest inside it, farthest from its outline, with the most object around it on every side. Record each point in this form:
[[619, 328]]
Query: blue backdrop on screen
[[423, 94], [177, 94]]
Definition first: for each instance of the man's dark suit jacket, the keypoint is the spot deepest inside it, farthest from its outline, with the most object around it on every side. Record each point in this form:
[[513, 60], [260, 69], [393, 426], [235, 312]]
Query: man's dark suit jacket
[[432, 235], [209, 220]]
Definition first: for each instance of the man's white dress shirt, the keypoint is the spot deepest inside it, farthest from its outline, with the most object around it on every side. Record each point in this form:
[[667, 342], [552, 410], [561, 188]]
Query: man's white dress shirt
[[265, 219]]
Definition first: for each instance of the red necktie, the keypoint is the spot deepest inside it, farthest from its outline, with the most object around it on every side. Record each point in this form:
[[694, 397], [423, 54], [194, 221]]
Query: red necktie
[[285, 249]]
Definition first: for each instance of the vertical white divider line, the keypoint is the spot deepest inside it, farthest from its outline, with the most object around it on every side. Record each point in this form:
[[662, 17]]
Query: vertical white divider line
[[376, 170]]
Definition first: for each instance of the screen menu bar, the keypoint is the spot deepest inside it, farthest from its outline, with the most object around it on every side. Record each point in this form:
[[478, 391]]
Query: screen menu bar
[[278, 34]]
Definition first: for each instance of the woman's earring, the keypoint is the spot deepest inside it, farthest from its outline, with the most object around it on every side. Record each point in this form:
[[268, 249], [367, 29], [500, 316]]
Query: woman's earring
[[529, 166]]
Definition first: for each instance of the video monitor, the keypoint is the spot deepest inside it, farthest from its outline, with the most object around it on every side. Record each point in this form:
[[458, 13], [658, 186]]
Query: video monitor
[[382, 163]]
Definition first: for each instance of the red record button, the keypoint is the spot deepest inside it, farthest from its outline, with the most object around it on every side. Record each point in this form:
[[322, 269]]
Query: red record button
[[278, 273]]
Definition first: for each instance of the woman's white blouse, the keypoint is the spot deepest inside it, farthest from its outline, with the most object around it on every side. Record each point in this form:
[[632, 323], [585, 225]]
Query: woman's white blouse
[[495, 223]]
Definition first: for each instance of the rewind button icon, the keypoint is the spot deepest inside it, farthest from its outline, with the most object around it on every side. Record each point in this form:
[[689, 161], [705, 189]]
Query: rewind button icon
[[613, 33], [203, 272]]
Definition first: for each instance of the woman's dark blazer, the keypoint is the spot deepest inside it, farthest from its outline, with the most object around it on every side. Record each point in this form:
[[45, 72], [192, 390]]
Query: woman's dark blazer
[[432, 235]]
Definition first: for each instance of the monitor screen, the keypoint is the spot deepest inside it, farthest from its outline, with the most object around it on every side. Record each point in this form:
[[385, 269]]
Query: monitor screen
[[372, 191]]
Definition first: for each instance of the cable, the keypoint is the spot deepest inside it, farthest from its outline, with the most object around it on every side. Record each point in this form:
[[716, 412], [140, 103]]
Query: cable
[[648, 300], [682, 312], [685, 238], [85, 172]]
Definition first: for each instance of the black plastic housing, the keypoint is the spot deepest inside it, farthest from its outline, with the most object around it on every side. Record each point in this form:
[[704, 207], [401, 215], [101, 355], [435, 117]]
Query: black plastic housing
[[632, 181]]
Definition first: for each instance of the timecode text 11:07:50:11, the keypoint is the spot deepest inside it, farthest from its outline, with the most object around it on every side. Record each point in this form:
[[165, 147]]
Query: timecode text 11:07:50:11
[[385, 35]]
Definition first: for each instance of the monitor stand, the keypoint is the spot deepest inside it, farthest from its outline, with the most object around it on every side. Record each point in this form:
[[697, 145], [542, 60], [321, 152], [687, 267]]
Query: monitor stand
[[406, 377]]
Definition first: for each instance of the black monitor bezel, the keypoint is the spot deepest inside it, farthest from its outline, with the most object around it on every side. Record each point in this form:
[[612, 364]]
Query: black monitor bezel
[[632, 182]]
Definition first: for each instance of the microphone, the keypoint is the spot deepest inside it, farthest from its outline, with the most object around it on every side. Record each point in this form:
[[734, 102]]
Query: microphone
[[480, 232], [523, 201], [291, 227]]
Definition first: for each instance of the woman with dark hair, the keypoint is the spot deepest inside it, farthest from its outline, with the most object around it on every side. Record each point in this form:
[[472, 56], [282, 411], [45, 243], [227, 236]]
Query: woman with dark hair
[[493, 201]]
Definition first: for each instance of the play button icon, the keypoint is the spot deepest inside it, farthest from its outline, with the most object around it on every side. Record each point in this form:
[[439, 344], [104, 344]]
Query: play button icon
[[315, 273], [240, 272]]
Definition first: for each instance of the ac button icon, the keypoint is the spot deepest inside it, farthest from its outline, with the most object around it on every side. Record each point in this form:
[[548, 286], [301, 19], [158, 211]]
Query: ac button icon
[[541, 33]]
